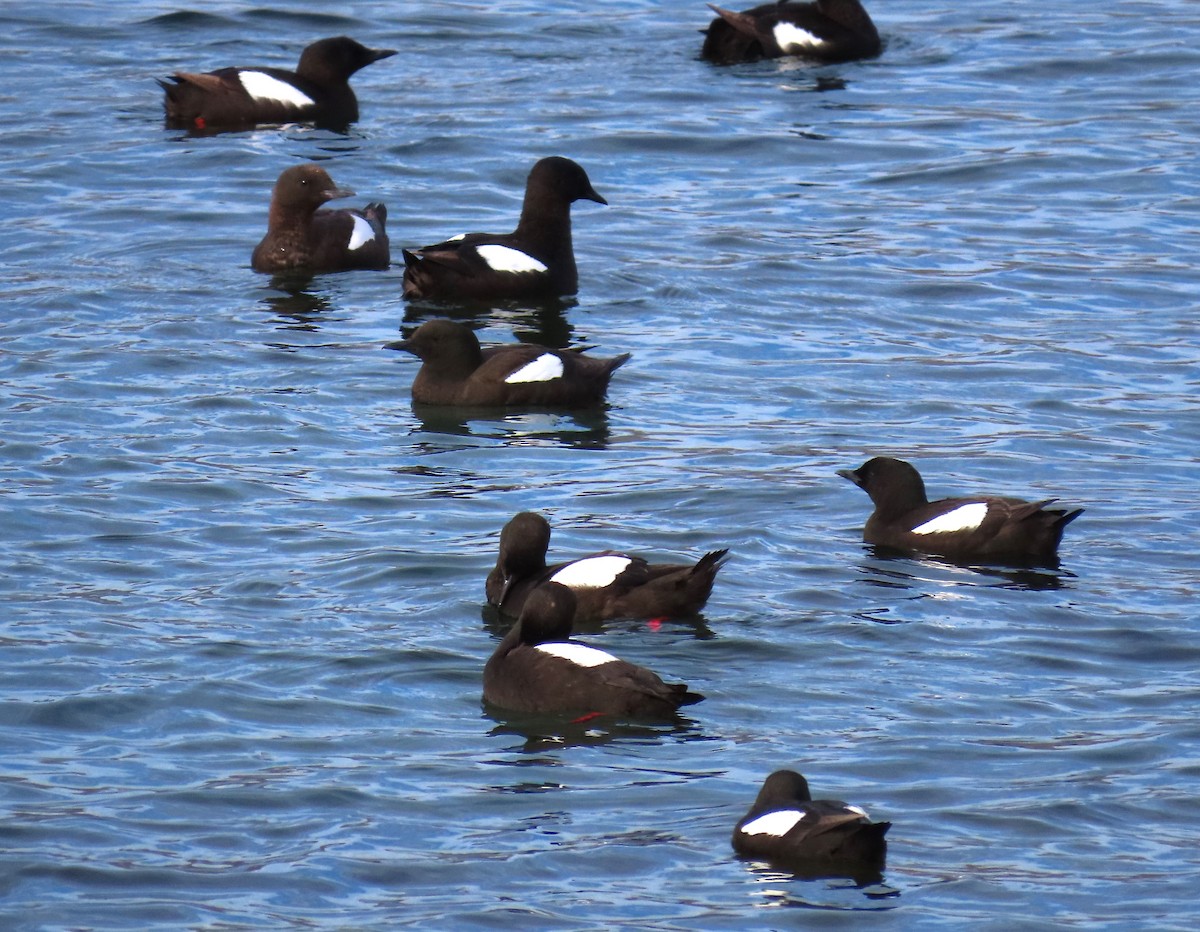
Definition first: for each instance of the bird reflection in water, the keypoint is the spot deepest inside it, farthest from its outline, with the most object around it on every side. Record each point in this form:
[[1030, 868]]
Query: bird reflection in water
[[798, 886], [539, 733], [293, 306], [543, 322], [583, 430], [901, 569]]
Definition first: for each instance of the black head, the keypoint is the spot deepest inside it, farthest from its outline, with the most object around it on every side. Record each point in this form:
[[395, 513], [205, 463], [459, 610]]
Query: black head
[[445, 342], [336, 59], [564, 179], [523, 544], [548, 614], [305, 188], [782, 788], [889, 481]]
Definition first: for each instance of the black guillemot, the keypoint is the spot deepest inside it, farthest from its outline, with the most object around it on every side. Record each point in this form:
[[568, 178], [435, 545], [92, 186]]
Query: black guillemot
[[606, 585], [318, 91], [536, 260]]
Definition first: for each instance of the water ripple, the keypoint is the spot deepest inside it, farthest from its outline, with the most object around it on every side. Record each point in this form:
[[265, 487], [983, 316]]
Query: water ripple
[[242, 575]]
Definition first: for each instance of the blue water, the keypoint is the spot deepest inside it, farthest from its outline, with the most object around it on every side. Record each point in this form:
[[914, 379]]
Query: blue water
[[242, 582]]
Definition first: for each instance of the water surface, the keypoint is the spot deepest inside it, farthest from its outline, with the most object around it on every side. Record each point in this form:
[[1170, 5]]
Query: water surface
[[242, 579]]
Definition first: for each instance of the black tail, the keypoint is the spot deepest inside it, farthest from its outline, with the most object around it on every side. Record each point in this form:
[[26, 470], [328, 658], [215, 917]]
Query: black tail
[[711, 562], [617, 362]]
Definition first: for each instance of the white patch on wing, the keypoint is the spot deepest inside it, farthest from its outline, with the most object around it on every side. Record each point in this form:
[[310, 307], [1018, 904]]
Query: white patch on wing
[[506, 259], [543, 369], [579, 654], [858, 810], [456, 237], [792, 38], [591, 572], [777, 823], [264, 87], [361, 234], [963, 518]]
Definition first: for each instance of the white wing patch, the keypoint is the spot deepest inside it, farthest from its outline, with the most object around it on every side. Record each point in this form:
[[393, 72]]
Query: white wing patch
[[361, 234], [792, 38], [777, 823], [591, 572], [858, 810], [963, 518], [264, 87], [506, 259], [579, 654], [456, 237], [543, 369]]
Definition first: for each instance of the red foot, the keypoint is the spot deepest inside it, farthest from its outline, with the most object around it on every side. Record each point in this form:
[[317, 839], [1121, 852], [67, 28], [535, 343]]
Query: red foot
[[586, 718]]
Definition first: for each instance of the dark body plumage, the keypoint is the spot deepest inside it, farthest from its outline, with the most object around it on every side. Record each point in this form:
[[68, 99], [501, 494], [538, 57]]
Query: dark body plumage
[[837, 30], [629, 587], [536, 260], [787, 825], [456, 370], [984, 526], [302, 238], [523, 675], [318, 91]]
